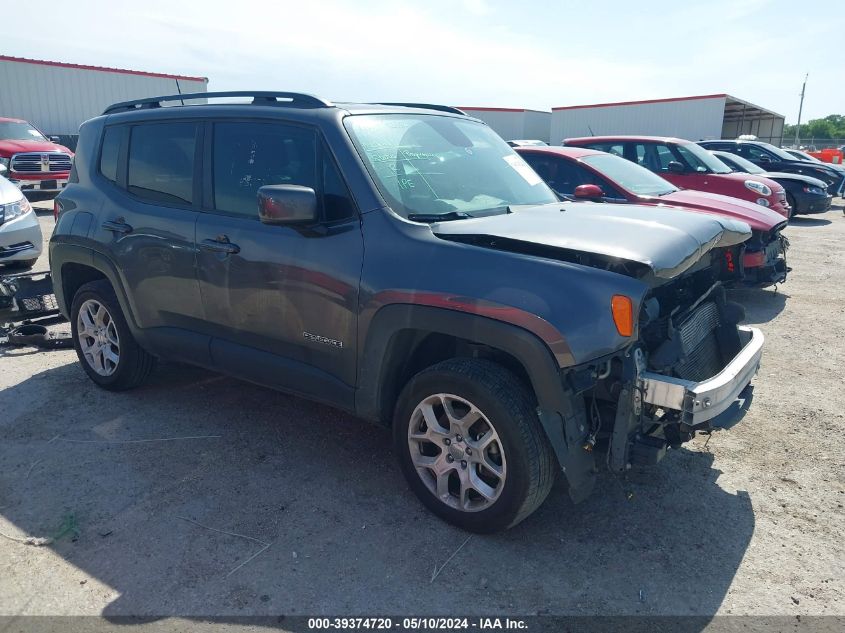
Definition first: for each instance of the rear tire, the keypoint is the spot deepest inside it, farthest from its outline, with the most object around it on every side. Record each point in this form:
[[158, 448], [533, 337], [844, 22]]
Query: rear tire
[[104, 344], [471, 446]]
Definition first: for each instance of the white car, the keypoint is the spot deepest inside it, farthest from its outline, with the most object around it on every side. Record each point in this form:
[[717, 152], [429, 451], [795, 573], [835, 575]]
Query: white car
[[20, 233]]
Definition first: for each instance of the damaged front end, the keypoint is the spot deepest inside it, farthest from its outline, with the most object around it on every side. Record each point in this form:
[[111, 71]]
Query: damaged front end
[[764, 260], [690, 364]]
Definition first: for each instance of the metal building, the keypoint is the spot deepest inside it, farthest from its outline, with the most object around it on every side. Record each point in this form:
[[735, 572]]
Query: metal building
[[57, 97], [514, 123], [693, 118]]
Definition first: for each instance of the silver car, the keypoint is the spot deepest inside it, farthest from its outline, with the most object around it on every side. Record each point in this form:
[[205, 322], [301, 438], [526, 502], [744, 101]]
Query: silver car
[[20, 233]]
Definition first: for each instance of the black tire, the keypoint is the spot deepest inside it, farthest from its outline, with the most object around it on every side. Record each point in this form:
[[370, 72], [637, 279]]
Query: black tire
[[511, 411], [134, 364], [22, 264], [793, 208]]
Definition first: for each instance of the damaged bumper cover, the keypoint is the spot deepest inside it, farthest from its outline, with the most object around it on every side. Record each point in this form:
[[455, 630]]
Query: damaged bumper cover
[[699, 402]]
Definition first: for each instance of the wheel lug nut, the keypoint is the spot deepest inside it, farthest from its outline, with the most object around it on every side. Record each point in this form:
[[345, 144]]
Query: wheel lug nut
[[450, 459], [469, 451], [463, 463], [458, 438], [447, 441]]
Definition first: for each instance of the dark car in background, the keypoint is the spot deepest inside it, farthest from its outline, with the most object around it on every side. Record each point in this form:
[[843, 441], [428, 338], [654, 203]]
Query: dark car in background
[[801, 155], [805, 194], [773, 158], [577, 173], [688, 166]]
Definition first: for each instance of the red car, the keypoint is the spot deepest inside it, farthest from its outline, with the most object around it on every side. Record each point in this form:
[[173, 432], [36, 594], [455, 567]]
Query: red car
[[688, 166], [33, 162], [576, 173]]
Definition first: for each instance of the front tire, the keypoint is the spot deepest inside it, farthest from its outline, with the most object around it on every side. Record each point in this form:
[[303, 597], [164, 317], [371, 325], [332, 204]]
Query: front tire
[[793, 208], [471, 446], [104, 344]]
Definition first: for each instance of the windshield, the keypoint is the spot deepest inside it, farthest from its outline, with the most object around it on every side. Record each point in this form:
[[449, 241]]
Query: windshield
[[628, 175], [777, 151], [742, 164], [443, 166], [17, 131], [702, 160]]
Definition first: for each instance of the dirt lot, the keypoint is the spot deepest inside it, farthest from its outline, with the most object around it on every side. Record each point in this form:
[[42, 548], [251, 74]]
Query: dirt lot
[[749, 523]]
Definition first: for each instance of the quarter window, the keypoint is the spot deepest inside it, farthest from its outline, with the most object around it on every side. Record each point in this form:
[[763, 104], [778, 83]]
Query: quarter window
[[111, 152], [248, 156], [161, 162]]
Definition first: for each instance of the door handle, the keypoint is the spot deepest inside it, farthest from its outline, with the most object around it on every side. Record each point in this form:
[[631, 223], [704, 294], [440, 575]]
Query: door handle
[[117, 226], [220, 245]]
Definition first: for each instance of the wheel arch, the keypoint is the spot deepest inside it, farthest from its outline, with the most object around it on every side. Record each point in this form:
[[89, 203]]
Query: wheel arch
[[404, 339]]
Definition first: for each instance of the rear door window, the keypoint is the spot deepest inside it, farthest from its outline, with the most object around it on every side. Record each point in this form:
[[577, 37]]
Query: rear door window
[[161, 162]]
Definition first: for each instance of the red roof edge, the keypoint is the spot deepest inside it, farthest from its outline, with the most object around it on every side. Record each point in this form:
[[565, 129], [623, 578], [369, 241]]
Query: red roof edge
[[40, 62], [625, 103]]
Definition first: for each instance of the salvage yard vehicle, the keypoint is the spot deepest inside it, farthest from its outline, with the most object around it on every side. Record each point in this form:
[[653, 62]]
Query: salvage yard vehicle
[[803, 193], [577, 173], [33, 162], [405, 265], [687, 166], [20, 234], [774, 158]]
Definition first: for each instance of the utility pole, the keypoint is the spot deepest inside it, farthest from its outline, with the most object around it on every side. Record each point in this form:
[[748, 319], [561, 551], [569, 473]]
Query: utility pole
[[800, 110]]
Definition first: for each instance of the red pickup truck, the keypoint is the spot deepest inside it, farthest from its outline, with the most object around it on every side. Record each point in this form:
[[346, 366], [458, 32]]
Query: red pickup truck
[[687, 166], [33, 162]]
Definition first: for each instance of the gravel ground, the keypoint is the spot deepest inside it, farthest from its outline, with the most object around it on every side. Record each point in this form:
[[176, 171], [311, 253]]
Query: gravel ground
[[750, 522]]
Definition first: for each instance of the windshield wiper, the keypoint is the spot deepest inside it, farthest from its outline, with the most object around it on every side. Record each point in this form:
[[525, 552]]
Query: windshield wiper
[[438, 217]]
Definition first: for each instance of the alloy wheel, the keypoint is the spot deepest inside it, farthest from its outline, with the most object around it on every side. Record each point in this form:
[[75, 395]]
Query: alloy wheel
[[98, 337], [457, 452]]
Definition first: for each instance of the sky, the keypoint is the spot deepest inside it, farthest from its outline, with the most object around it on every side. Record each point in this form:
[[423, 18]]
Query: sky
[[491, 53]]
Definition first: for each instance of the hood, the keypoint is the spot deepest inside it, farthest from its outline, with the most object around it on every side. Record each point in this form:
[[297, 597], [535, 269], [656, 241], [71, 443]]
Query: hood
[[9, 147], [667, 241], [807, 180], [8, 192], [756, 216]]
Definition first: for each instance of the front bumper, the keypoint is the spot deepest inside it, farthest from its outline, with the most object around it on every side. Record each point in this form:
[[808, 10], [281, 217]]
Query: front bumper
[[20, 239], [701, 401], [809, 203], [46, 182]]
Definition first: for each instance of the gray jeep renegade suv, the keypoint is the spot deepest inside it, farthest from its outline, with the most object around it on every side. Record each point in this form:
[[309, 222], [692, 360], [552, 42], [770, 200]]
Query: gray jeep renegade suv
[[400, 262]]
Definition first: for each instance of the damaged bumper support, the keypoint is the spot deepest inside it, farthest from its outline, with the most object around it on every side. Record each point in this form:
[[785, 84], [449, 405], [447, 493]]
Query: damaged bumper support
[[699, 402]]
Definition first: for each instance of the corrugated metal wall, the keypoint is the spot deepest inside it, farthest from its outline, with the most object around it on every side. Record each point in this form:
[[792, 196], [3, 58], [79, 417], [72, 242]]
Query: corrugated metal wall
[[58, 99], [515, 124], [768, 129], [694, 119], [537, 125]]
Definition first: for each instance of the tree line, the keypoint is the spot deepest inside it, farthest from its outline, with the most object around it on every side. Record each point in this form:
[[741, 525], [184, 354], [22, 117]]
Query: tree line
[[830, 127]]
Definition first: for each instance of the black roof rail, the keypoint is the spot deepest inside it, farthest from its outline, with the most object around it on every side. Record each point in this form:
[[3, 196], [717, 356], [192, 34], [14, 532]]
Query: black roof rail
[[425, 106], [293, 99]]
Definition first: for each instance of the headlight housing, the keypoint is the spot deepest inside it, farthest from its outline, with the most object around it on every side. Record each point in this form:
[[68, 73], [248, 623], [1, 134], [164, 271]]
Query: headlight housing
[[762, 202], [758, 187], [14, 210], [816, 190]]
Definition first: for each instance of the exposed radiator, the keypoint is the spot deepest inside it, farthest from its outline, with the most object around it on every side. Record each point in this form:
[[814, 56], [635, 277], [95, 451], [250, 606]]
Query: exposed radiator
[[702, 356]]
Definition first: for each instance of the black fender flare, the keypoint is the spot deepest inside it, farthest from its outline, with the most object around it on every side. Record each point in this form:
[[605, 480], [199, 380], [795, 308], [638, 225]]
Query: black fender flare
[[84, 256], [562, 416]]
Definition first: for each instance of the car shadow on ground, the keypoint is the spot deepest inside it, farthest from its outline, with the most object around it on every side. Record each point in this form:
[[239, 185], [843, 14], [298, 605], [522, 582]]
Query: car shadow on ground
[[321, 489], [803, 220], [761, 304]]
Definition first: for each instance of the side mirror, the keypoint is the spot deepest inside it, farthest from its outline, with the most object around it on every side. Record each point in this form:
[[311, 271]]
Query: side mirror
[[675, 167], [55, 139], [764, 159], [287, 204], [588, 192]]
